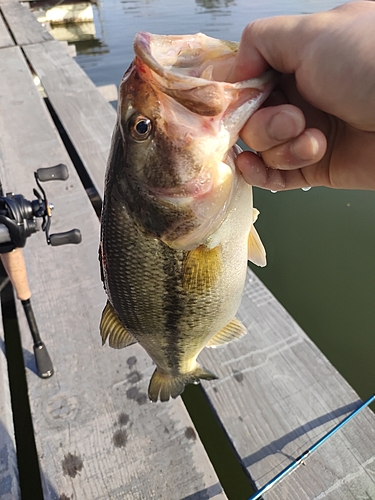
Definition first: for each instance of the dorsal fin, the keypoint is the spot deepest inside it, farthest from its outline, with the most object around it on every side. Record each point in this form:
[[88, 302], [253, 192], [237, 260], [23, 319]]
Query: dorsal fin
[[110, 326]]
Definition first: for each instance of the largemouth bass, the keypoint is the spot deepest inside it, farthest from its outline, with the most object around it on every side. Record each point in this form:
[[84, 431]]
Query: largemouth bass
[[177, 219]]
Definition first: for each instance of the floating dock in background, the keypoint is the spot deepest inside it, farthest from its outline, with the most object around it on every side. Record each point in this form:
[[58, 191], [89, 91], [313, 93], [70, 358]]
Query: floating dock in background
[[65, 13], [62, 12], [96, 434]]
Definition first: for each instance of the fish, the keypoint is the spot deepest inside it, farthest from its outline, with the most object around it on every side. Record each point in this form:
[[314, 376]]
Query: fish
[[177, 222]]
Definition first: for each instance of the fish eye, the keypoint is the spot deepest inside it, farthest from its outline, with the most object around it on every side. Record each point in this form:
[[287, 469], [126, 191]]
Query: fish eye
[[140, 127]]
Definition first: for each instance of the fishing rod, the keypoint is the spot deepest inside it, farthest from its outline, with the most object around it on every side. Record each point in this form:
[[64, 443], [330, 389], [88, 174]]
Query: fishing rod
[[300, 460], [19, 219]]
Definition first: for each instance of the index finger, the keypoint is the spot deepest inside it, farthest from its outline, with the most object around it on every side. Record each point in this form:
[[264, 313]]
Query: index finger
[[268, 42]]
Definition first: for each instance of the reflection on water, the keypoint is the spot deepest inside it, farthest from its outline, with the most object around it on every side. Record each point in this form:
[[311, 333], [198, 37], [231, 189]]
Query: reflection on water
[[320, 244], [91, 47], [82, 35], [218, 5], [136, 4], [74, 32]]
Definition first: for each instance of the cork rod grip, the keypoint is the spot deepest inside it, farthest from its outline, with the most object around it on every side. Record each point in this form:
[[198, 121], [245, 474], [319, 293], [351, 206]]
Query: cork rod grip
[[15, 266]]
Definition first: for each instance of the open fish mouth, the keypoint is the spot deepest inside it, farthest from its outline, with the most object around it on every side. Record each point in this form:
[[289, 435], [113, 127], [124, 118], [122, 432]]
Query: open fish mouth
[[192, 70], [196, 56]]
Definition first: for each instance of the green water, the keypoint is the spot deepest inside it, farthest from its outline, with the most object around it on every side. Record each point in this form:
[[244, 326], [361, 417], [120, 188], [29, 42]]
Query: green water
[[321, 266]]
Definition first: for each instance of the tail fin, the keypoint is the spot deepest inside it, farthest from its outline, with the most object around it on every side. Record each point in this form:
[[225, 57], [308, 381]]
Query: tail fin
[[163, 385]]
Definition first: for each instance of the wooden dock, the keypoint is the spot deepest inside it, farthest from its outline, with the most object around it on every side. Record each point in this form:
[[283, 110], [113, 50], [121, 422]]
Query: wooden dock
[[97, 436]]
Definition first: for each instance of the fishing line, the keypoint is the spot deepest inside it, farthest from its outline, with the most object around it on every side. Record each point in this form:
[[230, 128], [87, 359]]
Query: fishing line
[[298, 461]]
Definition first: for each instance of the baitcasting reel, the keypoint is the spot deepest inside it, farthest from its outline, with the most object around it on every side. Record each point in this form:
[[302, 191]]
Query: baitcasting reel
[[19, 218]]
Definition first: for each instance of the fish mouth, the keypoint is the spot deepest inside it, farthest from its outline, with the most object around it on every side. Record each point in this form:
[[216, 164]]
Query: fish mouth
[[180, 57], [194, 70]]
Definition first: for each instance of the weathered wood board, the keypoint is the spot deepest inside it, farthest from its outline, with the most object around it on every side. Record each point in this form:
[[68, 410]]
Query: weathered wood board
[[23, 25], [9, 481], [83, 111], [5, 38], [97, 435], [277, 395]]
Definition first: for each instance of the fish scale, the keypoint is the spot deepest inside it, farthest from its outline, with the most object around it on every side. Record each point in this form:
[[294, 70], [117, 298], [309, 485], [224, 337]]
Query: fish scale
[[147, 287]]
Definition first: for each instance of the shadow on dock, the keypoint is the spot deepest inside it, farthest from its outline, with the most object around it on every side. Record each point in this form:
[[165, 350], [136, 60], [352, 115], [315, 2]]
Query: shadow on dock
[[276, 446], [205, 494]]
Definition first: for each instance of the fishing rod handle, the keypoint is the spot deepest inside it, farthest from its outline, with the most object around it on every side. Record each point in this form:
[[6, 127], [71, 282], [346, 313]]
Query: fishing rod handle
[[15, 267]]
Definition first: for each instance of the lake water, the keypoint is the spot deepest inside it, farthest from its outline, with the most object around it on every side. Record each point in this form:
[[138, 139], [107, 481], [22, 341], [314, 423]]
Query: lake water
[[320, 243]]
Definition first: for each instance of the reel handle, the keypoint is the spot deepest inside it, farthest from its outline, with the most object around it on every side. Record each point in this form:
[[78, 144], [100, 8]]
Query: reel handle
[[69, 237], [57, 173]]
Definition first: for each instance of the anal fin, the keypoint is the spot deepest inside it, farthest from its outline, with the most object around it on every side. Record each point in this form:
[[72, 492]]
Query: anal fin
[[110, 326], [232, 331]]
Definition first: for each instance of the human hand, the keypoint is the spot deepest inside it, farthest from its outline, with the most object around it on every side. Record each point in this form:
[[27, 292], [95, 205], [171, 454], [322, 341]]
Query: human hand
[[318, 128]]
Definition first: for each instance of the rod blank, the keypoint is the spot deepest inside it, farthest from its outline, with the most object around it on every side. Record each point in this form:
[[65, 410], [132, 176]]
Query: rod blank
[[298, 461]]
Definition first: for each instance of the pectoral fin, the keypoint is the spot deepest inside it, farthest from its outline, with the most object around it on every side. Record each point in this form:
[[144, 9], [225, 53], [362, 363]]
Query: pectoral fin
[[256, 252], [201, 268], [111, 327], [232, 331]]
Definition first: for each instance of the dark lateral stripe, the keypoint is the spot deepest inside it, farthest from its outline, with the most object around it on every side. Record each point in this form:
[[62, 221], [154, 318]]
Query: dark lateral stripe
[[173, 307]]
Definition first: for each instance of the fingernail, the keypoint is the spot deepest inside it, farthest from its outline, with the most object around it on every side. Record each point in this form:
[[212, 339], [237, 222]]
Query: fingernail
[[305, 147], [285, 125]]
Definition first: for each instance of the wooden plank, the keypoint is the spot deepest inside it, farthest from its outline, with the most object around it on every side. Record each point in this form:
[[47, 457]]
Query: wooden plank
[[83, 111], [109, 92], [97, 436], [277, 395], [23, 25], [5, 38], [9, 481]]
